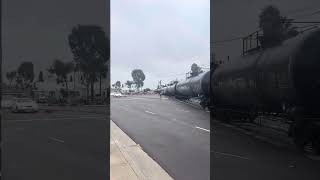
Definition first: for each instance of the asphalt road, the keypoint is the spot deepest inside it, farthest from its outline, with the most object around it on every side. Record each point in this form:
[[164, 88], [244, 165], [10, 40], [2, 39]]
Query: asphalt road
[[241, 156], [63, 143], [174, 134]]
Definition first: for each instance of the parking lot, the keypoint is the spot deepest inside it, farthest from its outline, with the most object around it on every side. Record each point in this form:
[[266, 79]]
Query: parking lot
[[57, 142]]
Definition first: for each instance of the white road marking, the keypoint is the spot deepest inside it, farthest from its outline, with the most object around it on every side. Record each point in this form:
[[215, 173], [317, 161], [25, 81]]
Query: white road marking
[[55, 139], [202, 129], [150, 112], [313, 157], [231, 155], [188, 125], [182, 110]]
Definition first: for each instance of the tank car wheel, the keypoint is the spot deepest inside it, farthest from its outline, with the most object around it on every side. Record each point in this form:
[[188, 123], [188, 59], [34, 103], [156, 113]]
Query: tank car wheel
[[203, 105], [311, 146], [305, 139]]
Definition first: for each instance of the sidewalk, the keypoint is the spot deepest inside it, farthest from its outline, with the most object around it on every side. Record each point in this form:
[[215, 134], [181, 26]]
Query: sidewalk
[[129, 162]]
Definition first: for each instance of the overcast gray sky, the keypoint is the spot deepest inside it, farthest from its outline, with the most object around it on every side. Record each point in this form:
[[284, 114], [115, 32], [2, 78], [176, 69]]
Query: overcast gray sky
[[234, 18], [37, 30], [161, 37]]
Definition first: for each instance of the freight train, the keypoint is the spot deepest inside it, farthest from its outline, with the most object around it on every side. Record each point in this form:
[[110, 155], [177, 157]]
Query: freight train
[[194, 87], [283, 80]]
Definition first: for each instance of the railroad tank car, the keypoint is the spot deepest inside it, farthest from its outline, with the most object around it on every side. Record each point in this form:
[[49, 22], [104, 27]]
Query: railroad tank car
[[170, 90], [282, 79], [195, 86]]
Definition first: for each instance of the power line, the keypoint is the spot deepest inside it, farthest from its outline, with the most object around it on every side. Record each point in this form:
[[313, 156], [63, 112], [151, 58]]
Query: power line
[[240, 38], [307, 14], [305, 22], [227, 40], [299, 10]]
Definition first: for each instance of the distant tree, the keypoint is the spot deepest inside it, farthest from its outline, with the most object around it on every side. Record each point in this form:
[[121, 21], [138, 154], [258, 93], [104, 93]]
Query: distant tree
[[118, 84], [40, 77], [90, 48], [129, 84], [138, 78], [25, 74], [11, 76], [275, 27], [61, 70], [195, 70]]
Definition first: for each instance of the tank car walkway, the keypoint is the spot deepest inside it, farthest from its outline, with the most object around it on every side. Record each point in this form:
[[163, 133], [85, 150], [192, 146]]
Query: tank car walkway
[[175, 135]]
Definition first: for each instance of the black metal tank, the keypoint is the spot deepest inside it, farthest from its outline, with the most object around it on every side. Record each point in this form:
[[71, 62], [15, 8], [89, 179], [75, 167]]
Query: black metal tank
[[170, 90], [195, 86], [272, 79]]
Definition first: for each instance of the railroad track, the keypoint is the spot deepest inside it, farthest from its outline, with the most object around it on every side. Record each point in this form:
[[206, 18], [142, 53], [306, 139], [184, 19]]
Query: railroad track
[[270, 129]]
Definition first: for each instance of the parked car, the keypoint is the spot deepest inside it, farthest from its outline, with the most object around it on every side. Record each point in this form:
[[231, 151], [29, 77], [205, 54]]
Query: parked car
[[117, 94], [24, 105], [42, 98]]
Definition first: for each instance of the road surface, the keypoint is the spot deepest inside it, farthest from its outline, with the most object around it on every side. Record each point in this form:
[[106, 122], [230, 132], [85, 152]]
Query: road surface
[[174, 134], [177, 136], [64, 144], [236, 154]]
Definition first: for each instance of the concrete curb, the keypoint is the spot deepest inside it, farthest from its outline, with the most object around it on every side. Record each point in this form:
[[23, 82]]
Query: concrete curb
[[129, 154]]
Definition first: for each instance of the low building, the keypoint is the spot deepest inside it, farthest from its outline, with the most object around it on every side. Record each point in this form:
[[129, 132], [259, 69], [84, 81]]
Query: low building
[[51, 88]]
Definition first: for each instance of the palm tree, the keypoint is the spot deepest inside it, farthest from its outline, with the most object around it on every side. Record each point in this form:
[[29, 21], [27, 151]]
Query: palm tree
[[61, 70], [90, 48], [129, 84], [11, 76], [102, 75]]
